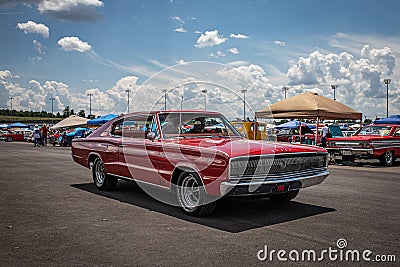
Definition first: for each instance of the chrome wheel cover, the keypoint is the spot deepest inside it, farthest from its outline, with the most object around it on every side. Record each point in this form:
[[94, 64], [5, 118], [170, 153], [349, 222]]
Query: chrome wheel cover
[[189, 193], [389, 157], [100, 173]]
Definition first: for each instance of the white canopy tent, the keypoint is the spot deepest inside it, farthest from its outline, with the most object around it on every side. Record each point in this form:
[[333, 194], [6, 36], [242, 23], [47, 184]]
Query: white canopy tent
[[71, 121]]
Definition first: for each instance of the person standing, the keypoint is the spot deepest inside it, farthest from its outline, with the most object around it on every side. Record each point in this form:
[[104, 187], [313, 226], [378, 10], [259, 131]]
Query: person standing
[[44, 131], [36, 136], [325, 131]]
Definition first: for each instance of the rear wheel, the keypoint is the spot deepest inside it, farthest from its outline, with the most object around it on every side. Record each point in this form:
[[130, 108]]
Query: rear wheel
[[387, 158], [285, 196], [192, 196], [101, 179]]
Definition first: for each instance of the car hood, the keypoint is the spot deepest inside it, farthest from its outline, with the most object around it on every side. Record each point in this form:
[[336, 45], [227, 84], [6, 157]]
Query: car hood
[[244, 147]]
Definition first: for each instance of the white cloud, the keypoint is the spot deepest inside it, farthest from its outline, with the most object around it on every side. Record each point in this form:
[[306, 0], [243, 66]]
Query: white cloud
[[217, 55], [239, 36], [66, 5], [38, 46], [210, 38], [72, 10], [178, 19], [33, 27], [360, 79], [280, 43], [234, 50], [180, 29], [74, 44]]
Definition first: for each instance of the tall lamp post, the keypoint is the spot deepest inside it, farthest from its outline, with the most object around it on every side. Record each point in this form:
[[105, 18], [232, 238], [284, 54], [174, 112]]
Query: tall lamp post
[[11, 99], [90, 104], [387, 81], [285, 88], [244, 104], [165, 98], [52, 113], [334, 87], [205, 98], [128, 91], [181, 101]]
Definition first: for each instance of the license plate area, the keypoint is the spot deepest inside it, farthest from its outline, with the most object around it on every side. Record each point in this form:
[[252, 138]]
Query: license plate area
[[347, 153]]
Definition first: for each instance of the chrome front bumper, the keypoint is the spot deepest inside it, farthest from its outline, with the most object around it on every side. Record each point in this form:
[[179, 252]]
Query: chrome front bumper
[[348, 151], [268, 186]]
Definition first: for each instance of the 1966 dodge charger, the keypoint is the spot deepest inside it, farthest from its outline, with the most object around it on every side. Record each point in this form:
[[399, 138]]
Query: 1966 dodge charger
[[199, 156]]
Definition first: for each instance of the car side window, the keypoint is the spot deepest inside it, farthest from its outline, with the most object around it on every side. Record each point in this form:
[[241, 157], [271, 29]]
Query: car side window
[[397, 132], [116, 129], [137, 127]]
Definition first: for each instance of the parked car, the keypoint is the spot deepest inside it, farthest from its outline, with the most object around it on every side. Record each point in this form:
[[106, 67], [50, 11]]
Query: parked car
[[246, 129], [369, 142], [27, 134], [9, 135], [293, 135], [198, 166]]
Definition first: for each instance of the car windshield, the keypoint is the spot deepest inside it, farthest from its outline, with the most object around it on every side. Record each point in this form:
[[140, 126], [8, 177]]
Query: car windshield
[[375, 130], [187, 125]]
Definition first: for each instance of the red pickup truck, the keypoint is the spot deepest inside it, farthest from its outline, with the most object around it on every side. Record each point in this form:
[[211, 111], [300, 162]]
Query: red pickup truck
[[380, 142]]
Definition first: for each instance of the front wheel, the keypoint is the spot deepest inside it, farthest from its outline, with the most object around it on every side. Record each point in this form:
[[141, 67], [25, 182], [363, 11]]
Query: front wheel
[[387, 158], [9, 139], [285, 196], [101, 179], [192, 196]]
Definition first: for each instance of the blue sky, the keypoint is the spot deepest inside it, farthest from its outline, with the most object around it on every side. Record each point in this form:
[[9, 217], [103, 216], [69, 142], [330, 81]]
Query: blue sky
[[67, 49]]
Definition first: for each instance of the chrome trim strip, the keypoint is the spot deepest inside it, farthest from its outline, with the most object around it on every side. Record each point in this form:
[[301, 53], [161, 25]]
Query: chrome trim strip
[[138, 181]]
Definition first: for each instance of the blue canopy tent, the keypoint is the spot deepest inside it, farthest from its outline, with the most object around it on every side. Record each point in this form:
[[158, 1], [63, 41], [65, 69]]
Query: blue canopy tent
[[102, 119], [395, 119], [294, 124], [17, 125], [3, 126]]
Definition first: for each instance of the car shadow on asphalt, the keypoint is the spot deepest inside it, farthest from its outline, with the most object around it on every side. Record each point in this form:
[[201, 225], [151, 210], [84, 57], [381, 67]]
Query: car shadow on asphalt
[[232, 215]]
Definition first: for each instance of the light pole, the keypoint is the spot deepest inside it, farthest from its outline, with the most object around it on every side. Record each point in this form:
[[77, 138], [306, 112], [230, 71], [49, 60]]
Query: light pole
[[334, 87], [165, 98], [52, 113], [205, 98], [181, 101], [90, 104], [11, 98], [387, 81], [128, 91], [244, 104], [285, 88]]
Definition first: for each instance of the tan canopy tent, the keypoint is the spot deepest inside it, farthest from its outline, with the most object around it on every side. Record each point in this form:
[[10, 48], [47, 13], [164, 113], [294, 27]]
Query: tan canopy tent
[[311, 106], [71, 121]]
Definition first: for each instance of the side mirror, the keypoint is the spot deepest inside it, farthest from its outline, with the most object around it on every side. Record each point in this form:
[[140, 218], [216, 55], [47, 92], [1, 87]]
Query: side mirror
[[151, 136]]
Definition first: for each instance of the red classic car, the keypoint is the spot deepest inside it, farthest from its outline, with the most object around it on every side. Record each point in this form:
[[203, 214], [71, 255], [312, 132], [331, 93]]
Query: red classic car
[[196, 164], [9, 135], [293, 135], [369, 142]]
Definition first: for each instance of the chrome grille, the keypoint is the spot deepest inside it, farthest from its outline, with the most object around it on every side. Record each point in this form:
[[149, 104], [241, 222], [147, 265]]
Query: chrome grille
[[276, 166]]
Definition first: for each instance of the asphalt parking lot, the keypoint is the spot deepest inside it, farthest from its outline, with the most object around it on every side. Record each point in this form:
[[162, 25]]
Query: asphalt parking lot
[[52, 215]]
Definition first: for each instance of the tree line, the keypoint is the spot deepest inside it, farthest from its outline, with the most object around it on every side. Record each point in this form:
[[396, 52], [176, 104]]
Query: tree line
[[43, 114]]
